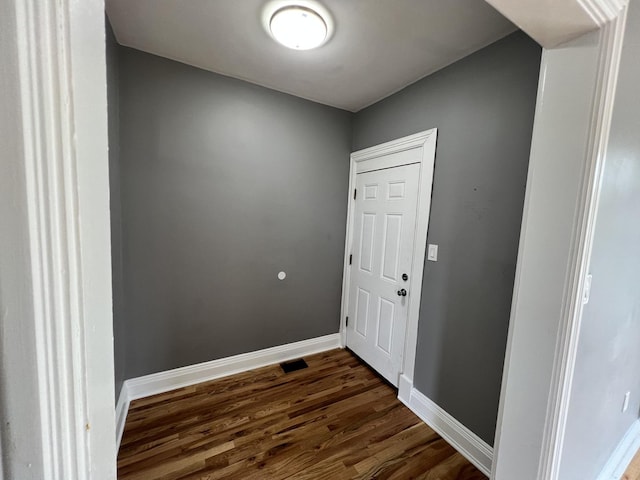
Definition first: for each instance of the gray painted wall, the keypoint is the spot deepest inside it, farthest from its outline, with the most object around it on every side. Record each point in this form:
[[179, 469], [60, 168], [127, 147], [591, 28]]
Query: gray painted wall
[[608, 360], [483, 107], [223, 185], [119, 326]]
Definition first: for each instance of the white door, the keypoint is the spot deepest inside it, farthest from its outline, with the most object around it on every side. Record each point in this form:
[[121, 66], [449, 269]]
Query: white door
[[384, 224]]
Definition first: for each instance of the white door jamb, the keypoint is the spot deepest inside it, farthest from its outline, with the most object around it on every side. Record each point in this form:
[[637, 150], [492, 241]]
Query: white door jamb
[[369, 159], [518, 451], [61, 84], [570, 324]]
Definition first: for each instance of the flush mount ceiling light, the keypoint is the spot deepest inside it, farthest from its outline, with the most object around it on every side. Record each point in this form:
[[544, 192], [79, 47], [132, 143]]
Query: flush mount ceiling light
[[298, 26]]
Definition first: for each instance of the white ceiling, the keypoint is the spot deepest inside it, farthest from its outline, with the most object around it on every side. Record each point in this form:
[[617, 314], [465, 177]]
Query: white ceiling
[[378, 47]]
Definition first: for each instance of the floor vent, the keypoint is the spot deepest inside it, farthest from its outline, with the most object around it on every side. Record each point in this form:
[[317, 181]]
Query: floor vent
[[293, 365]]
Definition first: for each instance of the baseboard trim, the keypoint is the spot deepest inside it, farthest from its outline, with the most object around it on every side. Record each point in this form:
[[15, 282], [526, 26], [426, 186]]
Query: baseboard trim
[[459, 436], [405, 384], [623, 454], [162, 382], [122, 407]]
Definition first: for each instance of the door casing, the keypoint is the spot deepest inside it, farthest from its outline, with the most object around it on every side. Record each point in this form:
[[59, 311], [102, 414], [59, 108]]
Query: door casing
[[388, 155]]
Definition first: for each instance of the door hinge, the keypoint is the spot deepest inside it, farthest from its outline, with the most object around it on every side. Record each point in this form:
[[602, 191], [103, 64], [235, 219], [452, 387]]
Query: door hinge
[[347, 322], [350, 259], [355, 193]]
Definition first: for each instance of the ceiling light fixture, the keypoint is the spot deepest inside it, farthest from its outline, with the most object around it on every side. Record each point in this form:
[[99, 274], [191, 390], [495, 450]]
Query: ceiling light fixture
[[298, 27]]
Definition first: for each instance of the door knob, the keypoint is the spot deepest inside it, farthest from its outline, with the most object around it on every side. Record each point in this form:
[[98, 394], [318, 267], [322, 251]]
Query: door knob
[[402, 293]]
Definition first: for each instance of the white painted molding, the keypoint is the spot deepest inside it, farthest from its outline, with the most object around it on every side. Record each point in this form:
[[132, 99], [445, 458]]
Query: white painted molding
[[416, 140], [52, 241], [472, 447], [122, 408], [552, 23], [603, 11], [426, 142], [571, 320], [404, 389], [62, 90], [161, 382], [623, 454]]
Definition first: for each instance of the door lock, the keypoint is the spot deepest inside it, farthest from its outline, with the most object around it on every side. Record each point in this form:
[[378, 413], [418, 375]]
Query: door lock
[[402, 293], [405, 277]]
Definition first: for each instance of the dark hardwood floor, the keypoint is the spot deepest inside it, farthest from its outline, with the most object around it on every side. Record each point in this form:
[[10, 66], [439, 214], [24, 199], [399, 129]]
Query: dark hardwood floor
[[334, 420]]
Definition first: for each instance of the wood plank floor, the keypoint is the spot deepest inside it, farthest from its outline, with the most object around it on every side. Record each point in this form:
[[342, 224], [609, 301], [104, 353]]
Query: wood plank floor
[[633, 472], [334, 420]]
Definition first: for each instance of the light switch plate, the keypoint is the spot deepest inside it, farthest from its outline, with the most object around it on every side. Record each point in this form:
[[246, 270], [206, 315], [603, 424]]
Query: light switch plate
[[432, 252]]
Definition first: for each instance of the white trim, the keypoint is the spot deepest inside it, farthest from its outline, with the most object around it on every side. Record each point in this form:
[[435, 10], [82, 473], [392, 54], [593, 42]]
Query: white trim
[[623, 454], [603, 11], [426, 141], [62, 90], [472, 447], [580, 253], [409, 142], [122, 408], [65, 447], [556, 22], [161, 382], [404, 389]]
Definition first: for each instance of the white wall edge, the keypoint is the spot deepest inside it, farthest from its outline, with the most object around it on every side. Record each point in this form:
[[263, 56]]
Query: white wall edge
[[520, 446], [472, 447], [161, 382], [580, 255], [122, 408], [623, 454]]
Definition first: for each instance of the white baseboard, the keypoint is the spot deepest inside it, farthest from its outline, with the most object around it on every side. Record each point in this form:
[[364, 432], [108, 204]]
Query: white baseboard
[[203, 372], [405, 384], [623, 454], [122, 407], [161, 382], [459, 436]]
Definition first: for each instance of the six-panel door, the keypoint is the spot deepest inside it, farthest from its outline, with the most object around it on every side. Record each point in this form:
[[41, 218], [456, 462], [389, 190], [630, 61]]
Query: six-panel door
[[384, 230]]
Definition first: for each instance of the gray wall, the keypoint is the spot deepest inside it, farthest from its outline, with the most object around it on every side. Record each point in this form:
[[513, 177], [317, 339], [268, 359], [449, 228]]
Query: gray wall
[[483, 107], [608, 360], [223, 185], [119, 326]]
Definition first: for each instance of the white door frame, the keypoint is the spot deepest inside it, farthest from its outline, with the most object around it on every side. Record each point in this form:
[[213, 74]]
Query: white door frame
[[375, 158], [62, 318], [570, 136]]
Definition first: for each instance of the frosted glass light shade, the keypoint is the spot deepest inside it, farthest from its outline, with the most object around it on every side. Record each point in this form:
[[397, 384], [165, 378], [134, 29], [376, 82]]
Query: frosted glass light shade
[[299, 28]]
